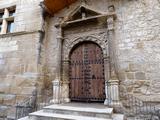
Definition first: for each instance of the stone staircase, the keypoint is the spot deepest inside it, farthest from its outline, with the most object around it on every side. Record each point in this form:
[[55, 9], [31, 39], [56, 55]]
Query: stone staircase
[[75, 111]]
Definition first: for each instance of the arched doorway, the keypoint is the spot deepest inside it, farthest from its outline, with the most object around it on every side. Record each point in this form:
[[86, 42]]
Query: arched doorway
[[86, 75]]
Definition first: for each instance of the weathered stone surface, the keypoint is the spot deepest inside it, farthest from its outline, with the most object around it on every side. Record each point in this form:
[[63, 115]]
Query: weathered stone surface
[[140, 76], [130, 75], [135, 67], [19, 53]]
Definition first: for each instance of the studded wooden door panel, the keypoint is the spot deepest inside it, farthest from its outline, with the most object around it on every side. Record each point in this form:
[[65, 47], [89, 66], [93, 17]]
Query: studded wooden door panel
[[87, 73]]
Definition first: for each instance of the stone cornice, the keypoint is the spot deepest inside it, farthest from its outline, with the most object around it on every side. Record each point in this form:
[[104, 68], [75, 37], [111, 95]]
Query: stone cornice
[[65, 24], [19, 33]]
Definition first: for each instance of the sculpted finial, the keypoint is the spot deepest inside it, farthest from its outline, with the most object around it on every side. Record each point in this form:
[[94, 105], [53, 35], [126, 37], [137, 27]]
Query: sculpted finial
[[83, 2], [111, 8]]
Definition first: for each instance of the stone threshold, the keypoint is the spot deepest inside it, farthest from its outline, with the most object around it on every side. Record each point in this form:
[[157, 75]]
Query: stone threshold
[[64, 116], [90, 109]]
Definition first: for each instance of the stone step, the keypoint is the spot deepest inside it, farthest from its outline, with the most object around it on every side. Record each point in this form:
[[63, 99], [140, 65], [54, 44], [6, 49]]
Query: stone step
[[91, 110], [24, 118], [41, 115], [75, 111], [118, 117]]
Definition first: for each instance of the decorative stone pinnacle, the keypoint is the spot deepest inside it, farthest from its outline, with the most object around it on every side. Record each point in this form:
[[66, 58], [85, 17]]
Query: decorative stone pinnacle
[[83, 2], [111, 8]]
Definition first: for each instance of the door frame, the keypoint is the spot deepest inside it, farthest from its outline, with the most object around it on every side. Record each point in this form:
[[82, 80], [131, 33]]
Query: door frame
[[66, 60], [102, 65], [61, 83]]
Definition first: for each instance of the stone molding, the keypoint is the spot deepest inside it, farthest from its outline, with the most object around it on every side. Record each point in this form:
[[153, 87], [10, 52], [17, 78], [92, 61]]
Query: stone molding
[[72, 43], [18, 33]]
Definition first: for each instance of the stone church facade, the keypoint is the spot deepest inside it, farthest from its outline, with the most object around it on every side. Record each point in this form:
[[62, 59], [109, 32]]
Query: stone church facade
[[114, 42]]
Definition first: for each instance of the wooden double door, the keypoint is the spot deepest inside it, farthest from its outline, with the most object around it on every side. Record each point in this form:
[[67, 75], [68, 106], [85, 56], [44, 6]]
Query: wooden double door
[[87, 82]]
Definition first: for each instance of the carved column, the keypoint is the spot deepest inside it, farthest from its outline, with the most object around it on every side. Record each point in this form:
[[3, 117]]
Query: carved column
[[56, 92], [113, 82], [107, 70], [65, 82], [57, 81]]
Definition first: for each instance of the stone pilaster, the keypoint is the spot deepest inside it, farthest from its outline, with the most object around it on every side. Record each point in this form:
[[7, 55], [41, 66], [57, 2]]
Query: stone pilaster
[[65, 85], [57, 81], [113, 92], [107, 71], [112, 84], [111, 35], [56, 92]]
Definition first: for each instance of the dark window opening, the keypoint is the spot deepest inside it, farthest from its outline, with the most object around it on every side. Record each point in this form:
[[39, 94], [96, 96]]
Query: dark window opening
[[1, 15], [12, 13], [0, 27], [10, 26]]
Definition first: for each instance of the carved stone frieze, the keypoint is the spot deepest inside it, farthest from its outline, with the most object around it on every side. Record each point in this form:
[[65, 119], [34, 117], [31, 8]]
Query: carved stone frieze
[[82, 30]]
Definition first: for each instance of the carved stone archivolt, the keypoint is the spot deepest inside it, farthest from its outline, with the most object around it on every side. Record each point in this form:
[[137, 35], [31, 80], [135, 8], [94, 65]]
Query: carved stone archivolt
[[70, 44]]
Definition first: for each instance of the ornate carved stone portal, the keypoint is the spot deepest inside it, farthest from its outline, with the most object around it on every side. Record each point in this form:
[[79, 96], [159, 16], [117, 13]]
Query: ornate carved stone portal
[[79, 65]]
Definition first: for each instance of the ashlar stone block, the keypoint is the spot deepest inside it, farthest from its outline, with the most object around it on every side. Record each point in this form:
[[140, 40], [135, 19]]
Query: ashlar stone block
[[134, 67], [131, 75], [140, 76]]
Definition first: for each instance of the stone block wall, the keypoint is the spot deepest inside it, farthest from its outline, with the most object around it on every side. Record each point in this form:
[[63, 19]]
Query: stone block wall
[[20, 68], [137, 44], [19, 71], [137, 36]]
